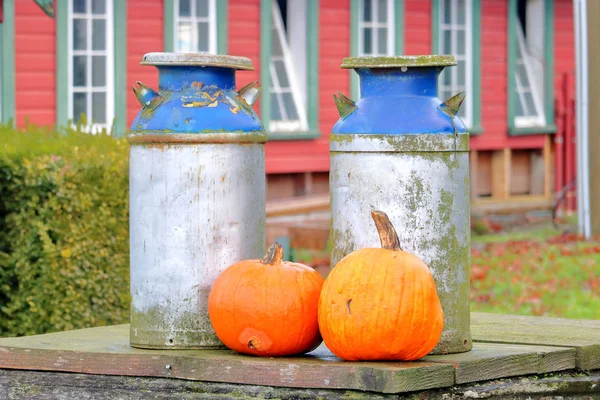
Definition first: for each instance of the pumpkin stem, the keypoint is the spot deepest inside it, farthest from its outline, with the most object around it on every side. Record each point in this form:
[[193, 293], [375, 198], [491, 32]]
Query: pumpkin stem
[[274, 255], [387, 233]]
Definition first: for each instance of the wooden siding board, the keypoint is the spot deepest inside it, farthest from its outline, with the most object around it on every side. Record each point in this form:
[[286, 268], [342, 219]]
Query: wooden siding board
[[144, 34], [35, 50], [36, 47]]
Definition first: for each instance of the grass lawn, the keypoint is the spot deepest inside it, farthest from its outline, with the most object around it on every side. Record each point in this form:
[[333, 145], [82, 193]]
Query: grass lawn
[[536, 272]]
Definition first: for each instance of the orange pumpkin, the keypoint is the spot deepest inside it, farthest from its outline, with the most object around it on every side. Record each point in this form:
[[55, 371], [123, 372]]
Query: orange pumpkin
[[380, 304], [267, 307]]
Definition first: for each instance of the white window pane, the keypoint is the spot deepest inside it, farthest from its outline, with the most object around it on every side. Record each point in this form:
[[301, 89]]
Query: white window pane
[[367, 11], [460, 73], [282, 78], [98, 70], [99, 107], [202, 8], [98, 34], [185, 8], [79, 70], [99, 6], [203, 36], [367, 41], [461, 42], [519, 112], [79, 6], [276, 50], [79, 105], [530, 99], [79, 34], [382, 38], [447, 77], [184, 37], [290, 107], [90, 69], [522, 73], [447, 42], [528, 96], [382, 10], [447, 11], [460, 12], [275, 109], [287, 109]]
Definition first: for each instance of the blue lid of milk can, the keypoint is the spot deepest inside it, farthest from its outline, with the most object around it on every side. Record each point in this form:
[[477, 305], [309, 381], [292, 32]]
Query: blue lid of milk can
[[197, 95], [398, 95]]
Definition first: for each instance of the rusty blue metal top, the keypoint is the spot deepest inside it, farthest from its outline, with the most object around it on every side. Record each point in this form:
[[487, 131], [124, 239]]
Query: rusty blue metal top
[[196, 95], [398, 95]]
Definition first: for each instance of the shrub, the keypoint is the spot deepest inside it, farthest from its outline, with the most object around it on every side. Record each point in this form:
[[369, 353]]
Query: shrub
[[64, 242]]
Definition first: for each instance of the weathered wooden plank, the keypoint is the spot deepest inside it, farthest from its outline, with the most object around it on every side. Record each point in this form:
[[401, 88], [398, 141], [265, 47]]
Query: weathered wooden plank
[[491, 361], [106, 351], [37, 385], [583, 335]]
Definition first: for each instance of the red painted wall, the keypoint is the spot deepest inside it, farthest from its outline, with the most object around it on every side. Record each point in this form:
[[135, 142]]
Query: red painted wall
[[564, 40], [417, 27], [144, 35], [35, 65]]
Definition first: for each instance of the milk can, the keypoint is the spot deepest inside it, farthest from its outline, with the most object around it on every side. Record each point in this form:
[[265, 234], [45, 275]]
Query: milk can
[[197, 194], [401, 150]]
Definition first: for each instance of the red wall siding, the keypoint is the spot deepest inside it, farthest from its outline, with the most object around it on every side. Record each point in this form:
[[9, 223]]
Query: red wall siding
[[244, 38], [564, 40], [417, 27], [494, 58], [144, 35], [36, 81], [35, 65]]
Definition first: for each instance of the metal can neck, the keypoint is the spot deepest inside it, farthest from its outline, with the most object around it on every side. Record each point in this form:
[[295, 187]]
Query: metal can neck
[[173, 78], [399, 81]]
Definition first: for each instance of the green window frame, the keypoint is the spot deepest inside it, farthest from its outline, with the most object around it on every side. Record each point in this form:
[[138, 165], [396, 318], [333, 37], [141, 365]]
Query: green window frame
[[473, 96], [397, 20], [548, 79], [7, 64], [119, 123], [221, 8], [312, 83]]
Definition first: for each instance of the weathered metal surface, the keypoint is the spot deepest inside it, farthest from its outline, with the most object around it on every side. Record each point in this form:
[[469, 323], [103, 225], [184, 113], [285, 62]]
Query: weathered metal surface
[[398, 61], [147, 97], [400, 153], [195, 210], [344, 105], [452, 105], [197, 195], [197, 59]]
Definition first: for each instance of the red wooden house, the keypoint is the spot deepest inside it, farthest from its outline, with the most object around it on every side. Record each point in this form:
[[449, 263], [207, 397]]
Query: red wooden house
[[515, 61]]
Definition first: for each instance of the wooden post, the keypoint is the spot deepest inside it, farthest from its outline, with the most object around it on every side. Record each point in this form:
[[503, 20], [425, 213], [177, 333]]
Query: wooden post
[[473, 171], [501, 174], [593, 23], [547, 167]]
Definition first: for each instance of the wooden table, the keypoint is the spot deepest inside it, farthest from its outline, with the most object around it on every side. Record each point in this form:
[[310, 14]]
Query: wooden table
[[520, 357]]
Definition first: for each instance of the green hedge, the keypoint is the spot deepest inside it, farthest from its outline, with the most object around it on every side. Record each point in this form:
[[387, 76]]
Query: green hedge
[[64, 244]]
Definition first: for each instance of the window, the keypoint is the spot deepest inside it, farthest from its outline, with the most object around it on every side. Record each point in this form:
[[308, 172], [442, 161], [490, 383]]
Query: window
[[455, 37], [91, 88], [195, 26], [287, 66], [529, 71], [375, 24]]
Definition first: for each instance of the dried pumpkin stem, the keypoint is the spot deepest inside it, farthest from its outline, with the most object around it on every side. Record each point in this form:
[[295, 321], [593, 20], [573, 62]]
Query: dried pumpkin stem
[[274, 255], [387, 233]]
